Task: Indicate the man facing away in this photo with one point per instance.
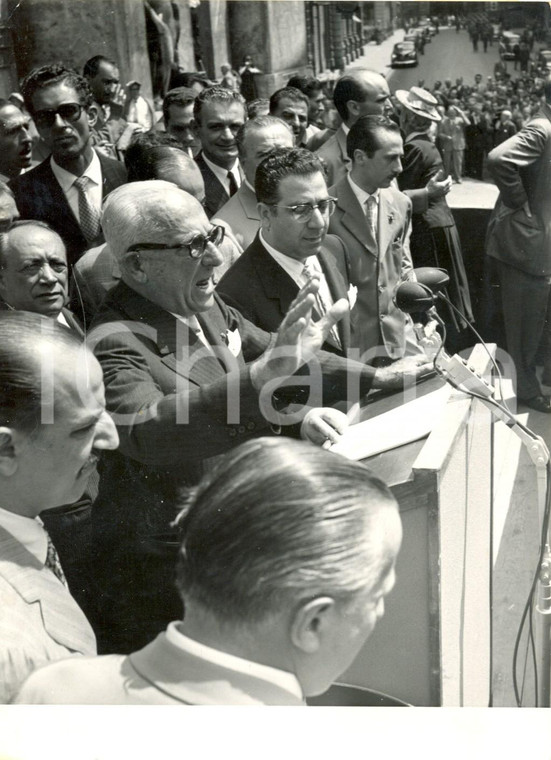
(278, 599)
(255, 140)
(53, 427)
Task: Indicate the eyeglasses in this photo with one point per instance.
(196, 247)
(303, 212)
(67, 111)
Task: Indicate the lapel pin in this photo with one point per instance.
(390, 218)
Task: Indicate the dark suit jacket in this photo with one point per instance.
(215, 193)
(39, 196)
(171, 408)
(258, 287)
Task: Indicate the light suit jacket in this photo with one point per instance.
(39, 619)
(241, 214)
(375, 320)
(158, 674)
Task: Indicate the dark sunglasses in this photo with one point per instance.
(67, 111)
(196, 246)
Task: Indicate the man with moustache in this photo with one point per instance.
(218, 114)
(53, 427)
(67, 189)
(291, 106)
(15, 141)
(178, 118)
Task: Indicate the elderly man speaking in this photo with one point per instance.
(187, 378)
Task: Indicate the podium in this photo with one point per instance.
(433, 645)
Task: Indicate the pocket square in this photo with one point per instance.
(352, 295)
(233, 341)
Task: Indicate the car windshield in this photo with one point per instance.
(402, 46)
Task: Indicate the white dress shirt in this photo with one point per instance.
(28, 531)
(275, 676)
(222, 174)
(192, 323)
(94, 188)
(295, 269)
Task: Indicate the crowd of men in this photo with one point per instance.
(178, 303)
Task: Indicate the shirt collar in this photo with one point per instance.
(281, 678)
(222, 173)
(345, 129)
(293, 267)
(67, 179)
(28, 531)
(362, 195)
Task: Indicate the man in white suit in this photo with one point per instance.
(288, 552)
(53, 425)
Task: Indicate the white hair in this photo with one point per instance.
(135, 212)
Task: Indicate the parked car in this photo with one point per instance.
(427, 24)
(506, 45)
(404, 54)
(544, 59)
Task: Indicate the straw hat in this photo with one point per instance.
(419, 102)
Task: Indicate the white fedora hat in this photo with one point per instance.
(420, 102)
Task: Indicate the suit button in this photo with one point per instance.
(241, 429)
(250, 426)
(232, 432)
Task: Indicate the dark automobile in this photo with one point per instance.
(404, 54)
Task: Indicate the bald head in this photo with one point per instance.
(361, 92)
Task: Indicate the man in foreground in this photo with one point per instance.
(187, 378)
(278, 600)
(53, 427)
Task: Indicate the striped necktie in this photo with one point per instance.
(321, 305)
(88, 215)
(53, 563)
(371, 216)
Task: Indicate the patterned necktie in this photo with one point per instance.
(88, 215)
(321, 306)
(371, 215)
(233, 184)
(53, 563)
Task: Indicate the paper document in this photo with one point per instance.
(406, 423)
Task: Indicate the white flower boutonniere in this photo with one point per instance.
(232, 339)
(352, 295)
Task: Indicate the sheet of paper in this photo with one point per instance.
(406, 423)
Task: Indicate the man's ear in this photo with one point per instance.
(134, 266)
(265, 213)
(310, 623)
(353, 108)
(360, 156)
(8, 458)
(92, 113)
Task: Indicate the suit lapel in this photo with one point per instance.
(248, 202)
(62, 618)
(353, 217)
(277, 284)
(180, 348)
(54, 197)
(337, 288)
(387, 223)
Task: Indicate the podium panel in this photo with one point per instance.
(432, 647)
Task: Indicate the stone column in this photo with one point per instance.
(47, 31)
(213, 35)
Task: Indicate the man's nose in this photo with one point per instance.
(47, 274)
(213, 256)
(317, 220)
(106, 436)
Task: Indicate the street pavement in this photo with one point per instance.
(448, 56)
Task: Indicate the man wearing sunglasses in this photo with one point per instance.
(187, 378)
(67, 189)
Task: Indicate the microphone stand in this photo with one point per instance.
(461, 376)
